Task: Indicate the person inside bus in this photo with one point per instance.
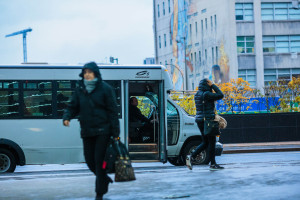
(205, 95)
(95, 103)
(138, 123)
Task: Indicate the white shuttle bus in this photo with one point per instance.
(34, 96)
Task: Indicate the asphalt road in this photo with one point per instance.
(246, 176)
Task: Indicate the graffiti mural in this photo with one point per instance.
(182, 47)
(180, 37)
(220, 73)
(224, 65)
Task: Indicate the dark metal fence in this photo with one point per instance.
(268, 127)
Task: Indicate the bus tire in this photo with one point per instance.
(176, 161)
(201, 158)
(8, 161)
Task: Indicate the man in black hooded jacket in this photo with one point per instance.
(205, 95)
(94, 102)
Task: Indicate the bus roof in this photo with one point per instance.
(44, 71)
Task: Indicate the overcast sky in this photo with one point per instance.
(77, 31)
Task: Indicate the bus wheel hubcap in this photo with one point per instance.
(4, 163)
(200, 157)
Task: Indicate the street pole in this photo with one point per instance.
(185, 69)
(185, 79)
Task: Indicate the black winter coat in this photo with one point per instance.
(97, 110)
(136, 115)
(209, 99)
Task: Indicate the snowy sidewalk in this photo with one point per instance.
(228, 149)
(261, 147)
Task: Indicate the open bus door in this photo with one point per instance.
(147, 137)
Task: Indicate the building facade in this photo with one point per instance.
(257, 40)
(149, 61)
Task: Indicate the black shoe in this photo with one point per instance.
(215, 167)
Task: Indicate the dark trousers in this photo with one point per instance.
(94, 153)
(207, 142)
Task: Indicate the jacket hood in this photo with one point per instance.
(92, 66)
(203, 86)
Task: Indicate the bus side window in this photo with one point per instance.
(116, 84)
(37, 98)
(64, 94)
(9, 99)
(173, 124)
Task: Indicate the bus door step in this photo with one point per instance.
(147, 151)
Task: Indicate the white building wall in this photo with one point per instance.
(219, 39)
(208, 40)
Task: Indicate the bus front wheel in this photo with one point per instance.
(7, 161)
(202, 158)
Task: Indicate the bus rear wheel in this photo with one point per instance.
(7, 161)
(202, 158)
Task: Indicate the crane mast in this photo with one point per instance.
(24, 33)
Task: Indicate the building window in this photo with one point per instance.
(196, 28)
(165, 40)
(170, 38)
(192, 58)
(284, 76)
(169, 5)
(296, 72)
(248, 75)
(211, 24)
(245, 44)
(191, 31)
(205, 55)
(212, 55)
(202, 28)
(158, 13)
(159, 41)
(244, 11)
(216, 23)
(195, 57)
(279, 11)
(217, 54)
(281, 44)
(205, 23)
(200, 57)
(164, 12)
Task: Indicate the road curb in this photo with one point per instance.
(259, 150)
